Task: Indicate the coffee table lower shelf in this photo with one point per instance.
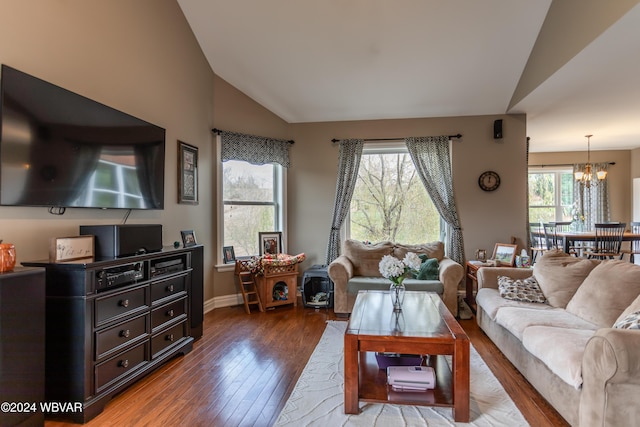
(374, 388)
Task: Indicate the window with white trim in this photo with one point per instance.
(550, 194)
(389, 201)
(252, 200)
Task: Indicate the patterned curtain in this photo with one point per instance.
(349, 157)
(593, 201)
(256, 150)
(432, 161)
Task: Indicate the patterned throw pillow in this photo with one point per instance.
(631, 321)
(524, 290)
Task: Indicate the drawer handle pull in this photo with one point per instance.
(124, 363)
(170, 288)
(125, 333)
(170, 337)
(124, 303)
(170, 313)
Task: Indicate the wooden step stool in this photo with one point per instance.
(248, 286)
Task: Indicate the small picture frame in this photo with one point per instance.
(71, 248)
(228, 254)
(505, 254)
(481, 255)
(187, 174)
(188, 238)
(270, 242)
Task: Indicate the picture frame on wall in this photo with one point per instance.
(228, 255)
(187, 174)
(188, 238)
(505, 254)
(270, 242)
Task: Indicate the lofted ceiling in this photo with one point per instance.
(573, 69)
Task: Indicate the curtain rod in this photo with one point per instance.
(456, 136)
(564, 164)
(218, 132)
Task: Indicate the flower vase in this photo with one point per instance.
(397, 295)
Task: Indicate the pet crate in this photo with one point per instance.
(317, 288)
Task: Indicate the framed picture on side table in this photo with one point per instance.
(188, 238)
(270, 242)
(505, 254)
(187, 174)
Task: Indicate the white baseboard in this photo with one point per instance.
(223, 301)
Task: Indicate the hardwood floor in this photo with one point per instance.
(244, 368)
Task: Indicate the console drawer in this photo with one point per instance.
(168, 287)
(118, 336)
(118, 305)
(166, 339)
(168, 312)
(120, 366)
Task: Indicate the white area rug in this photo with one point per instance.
(318, 397)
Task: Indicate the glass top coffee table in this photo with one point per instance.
(425, 326)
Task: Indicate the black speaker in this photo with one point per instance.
(120, 240)
(497, 129)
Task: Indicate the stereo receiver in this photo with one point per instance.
(121, 275)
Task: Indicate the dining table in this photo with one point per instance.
(570, 238)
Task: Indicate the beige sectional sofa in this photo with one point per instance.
(357, 268)
(568, 347)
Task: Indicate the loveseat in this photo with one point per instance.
(579, 348)
(357, 269)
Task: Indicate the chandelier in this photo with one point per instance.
(586, 176)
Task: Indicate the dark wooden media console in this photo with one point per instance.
(109, 322)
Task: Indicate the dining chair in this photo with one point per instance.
(552, 239)
(538, 243)
(608, 241)
(634, 248)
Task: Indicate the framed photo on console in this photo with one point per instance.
(188, 238)
(505, 254)
(187, 174)
(270, 242)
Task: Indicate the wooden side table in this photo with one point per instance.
(471, 285)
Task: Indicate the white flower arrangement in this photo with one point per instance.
(395, 270)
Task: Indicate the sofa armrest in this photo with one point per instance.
(488, 276)
(340, 272)
(611, 378)
(450, 274)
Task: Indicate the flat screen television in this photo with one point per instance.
(61, 149)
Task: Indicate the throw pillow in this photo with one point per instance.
(631, 321)
(633, 307)
(524, 290)
(429, 269)
(560, 274)
(608, 290)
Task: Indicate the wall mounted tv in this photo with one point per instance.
(60, 149)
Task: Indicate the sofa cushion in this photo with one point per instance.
(517, 319)
(366, 257)
(432, 249)
(608, 290)
(491, 301)
(358, 283)
(560, 274)
(560, 349)
(525, 290)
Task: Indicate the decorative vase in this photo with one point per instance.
(397, 295)
(7, 257)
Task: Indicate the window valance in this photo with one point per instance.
(257, 150)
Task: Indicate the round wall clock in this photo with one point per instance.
(489, 181)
